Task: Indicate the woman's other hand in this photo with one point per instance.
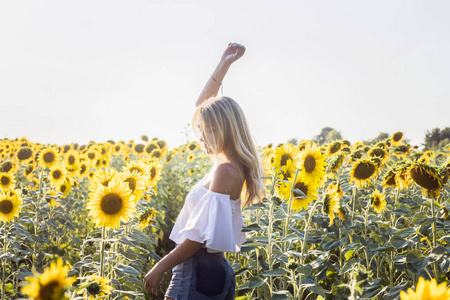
(153, 279)
(233, 52)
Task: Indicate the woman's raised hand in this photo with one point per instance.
(233, 52)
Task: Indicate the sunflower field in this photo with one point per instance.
(338, 221)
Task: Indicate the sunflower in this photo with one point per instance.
(136, 183)
(65, 187)
(191, 172)
(105, 150)
(303, 145)
(93, 155)
(401, 177)
(378, 201)
(57, 175)
(427, 289)
(283, 154)
(336, 163)
(50, 285)
(137, 165)
(397, 138)
(102, 177)
(162, 144)
(97, 287)
(8, 167)
(380, 153)
(6, 181)
(24, 155)
(362, 172)
(312, 163)
(150, 147)
(299, 201)
(83, 169)
(335, 189)
(118, 149)
(48, 157)
(146, 219)
(28, 171)
(426, 177)
(191, 157)
(156, 154)
(331, 206)
(112, 204)
(138, 149)
(389, 179)
(334, 148)
(72, 160)
(154, 171)
(401, 150)
(50, 198)
(192, 146)
(9, 206)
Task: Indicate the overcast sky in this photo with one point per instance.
(75, 71)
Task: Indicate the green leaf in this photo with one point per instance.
(312, 285)
(281, 295)
(276, 272)
(252, 227)
(400, 242)
(348, 266)
(255, 282)
(373, 289)
(416, 262)
(395, 291)
(330, 242)
(127, 269)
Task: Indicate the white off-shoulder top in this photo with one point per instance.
(210, 217)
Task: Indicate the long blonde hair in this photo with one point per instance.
(234, 140)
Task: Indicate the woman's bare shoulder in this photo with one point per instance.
(226, 180)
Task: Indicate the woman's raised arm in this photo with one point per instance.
(233, 52)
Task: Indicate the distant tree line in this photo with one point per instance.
(435, 138)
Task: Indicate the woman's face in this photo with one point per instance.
(208, 135)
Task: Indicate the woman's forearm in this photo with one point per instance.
(212, 87)
(182, 252)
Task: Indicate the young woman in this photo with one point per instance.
(210, 221)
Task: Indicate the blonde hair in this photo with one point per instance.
(234, 140)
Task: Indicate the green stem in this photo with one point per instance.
(302, 259)
(102, 253)
(286, 221)
(4, 263)
(433, 228)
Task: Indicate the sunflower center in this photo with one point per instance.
(111, 204)
(6, 167)
(302, 187)
(397, 136)
(376, 201)
(326, 203)
(391, 179)
(309, 164)
(152, 173)
(284, 159)
(335, 148)
(117, 148)
(131, 183)
(24, 153)
(6, 207)
(49, 157)
(192, 147)
(5, 180)
(94, 288)
(423, 178)
(106, 182)
(139, 148)
(71, 160)
(62, 188)
(57, 174)
(51, 290)
(29, 170)
(364, 170)
(83, 169)
(91, 155)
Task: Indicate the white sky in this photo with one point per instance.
(74, 71)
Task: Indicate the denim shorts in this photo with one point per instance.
(202, 276)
